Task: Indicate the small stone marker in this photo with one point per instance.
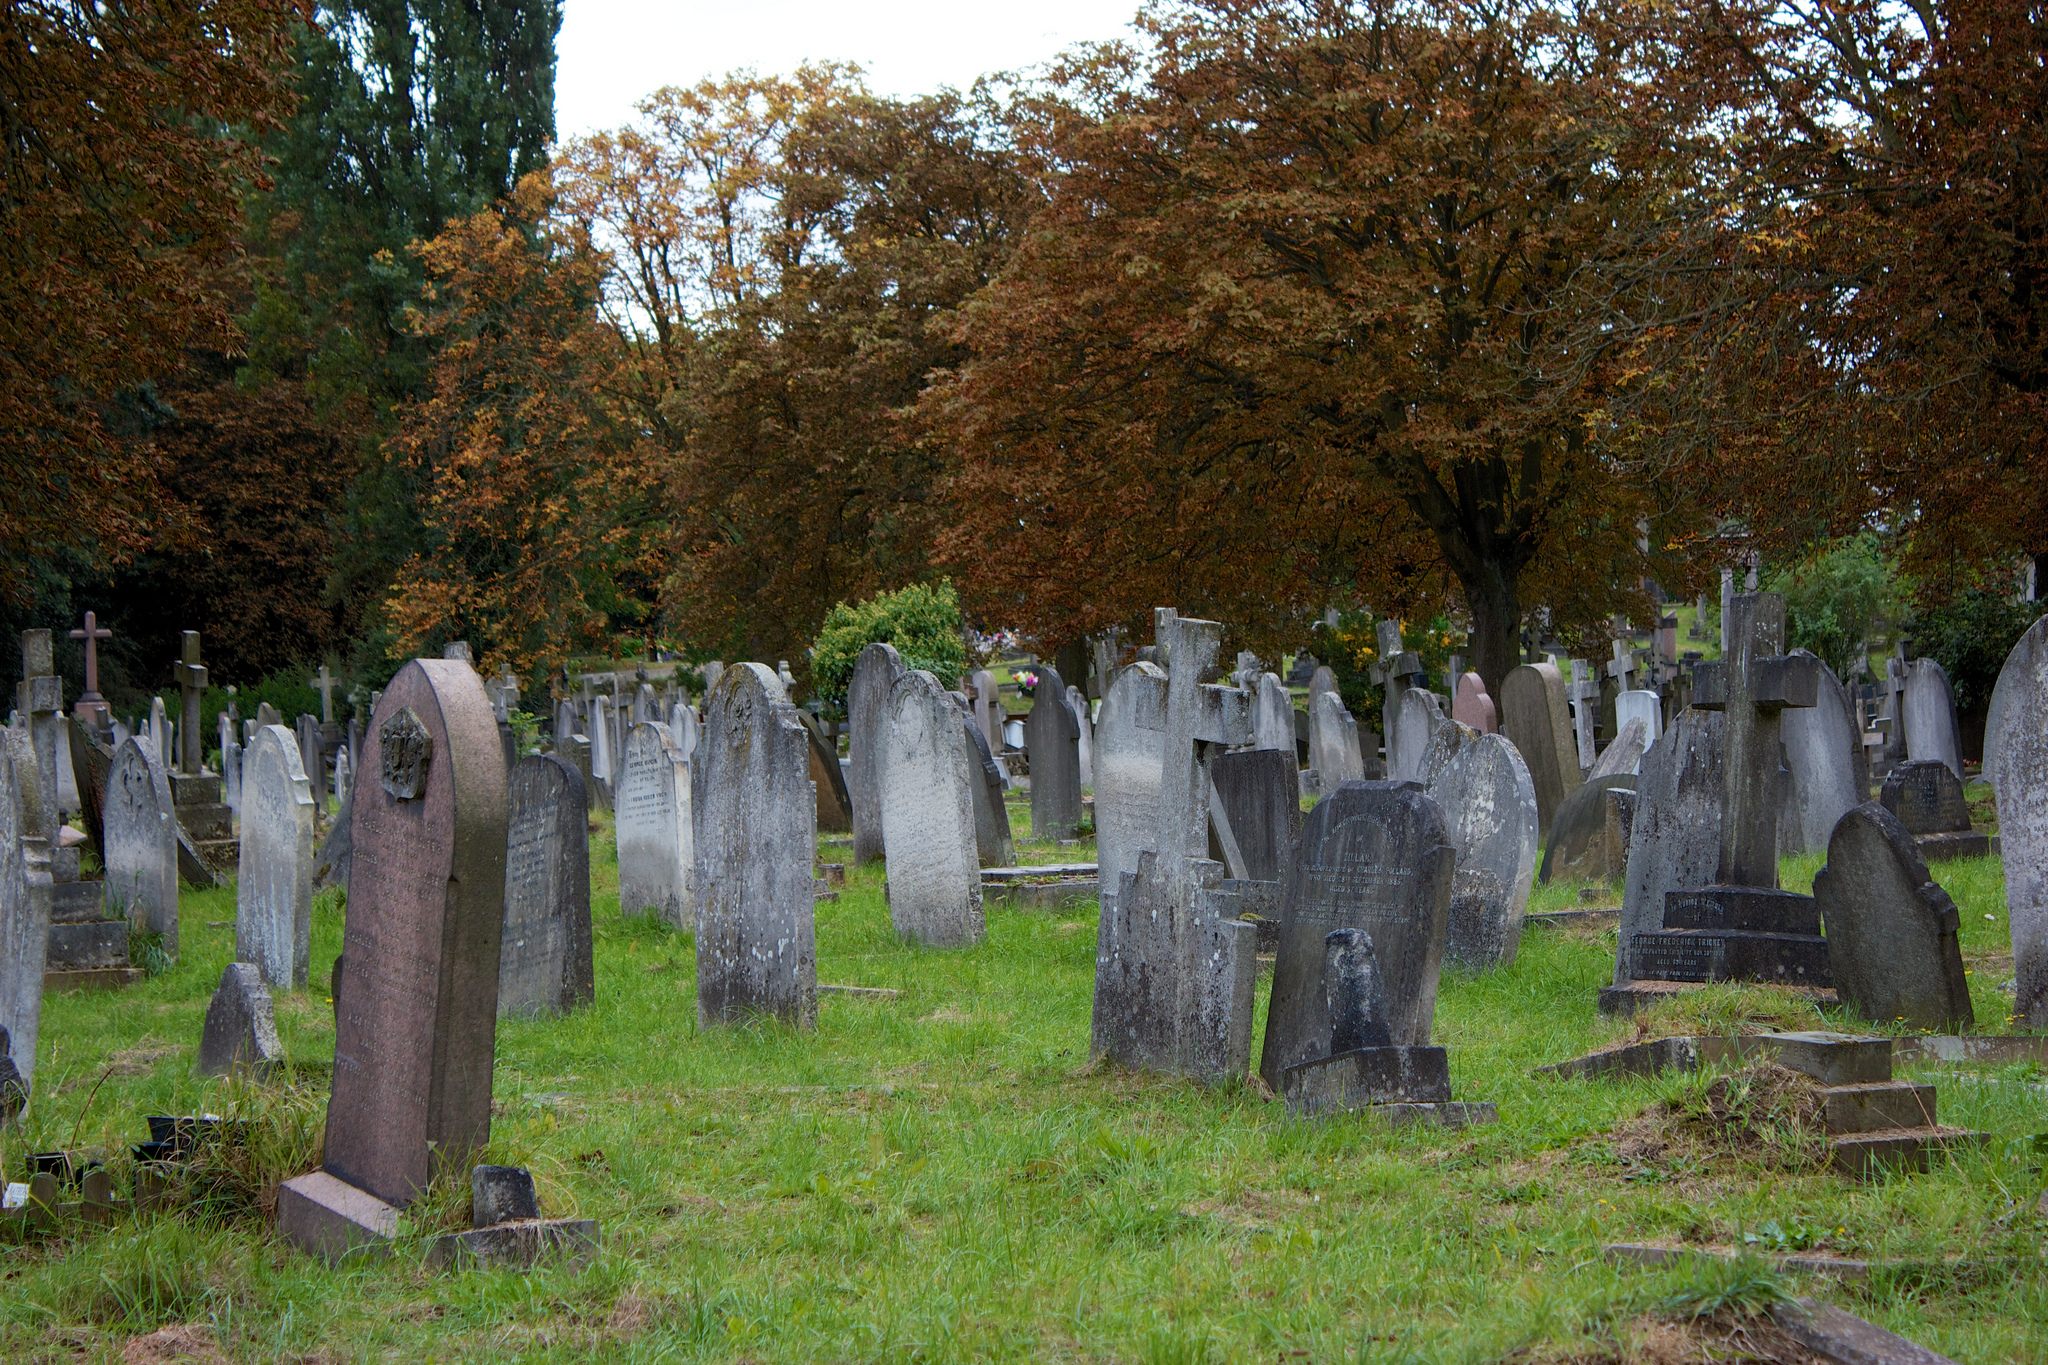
(1533, 716)
(1130, 755)
(1891, 931)
(240, 1032)
(653, 801)
(1375, 856)
(506, 1228)
(1052, 739)
(1482, 788)
(1471, 706)
(274, 889)
(928, 817)
(1928, 800)
(875, 672)
(1930, 716)
(25, 892)
(2020, 769)
(1823, 757)
(416, 1013)
(1333, 737)
(141, 844)
(756, 838)
(544, 955)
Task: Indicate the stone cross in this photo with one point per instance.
(1752, 687)
(191, 693)
(40, 696)
(324, 680)
(1397, 670)
(1622, 666)
(1584, 695)
(92, 707)
(1202, 719)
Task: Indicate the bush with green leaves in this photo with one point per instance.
(1969, 635)
(923, 622)
(1836, 600)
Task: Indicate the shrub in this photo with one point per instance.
(922, 621)
(1835, 600)
(1970, 635)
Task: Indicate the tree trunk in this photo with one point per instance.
(1496, 627)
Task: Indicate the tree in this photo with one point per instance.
(1331, 301)
(921, 620)
(121, 164)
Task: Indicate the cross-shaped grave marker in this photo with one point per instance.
(1396, 671)
(1753, 686)
(1622, 666)
(92, 707)
(325, 681)
(191, 694)
(1584, 694)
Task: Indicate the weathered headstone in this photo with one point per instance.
(240, 1033)
(1052, 738)
(1259, 792)
(416, 1012)
(928, 817)
(1928, 800)
(1533, 716)
(828, 779)
(191, 695)
(1482, 789)
(1130, 744)
(1084, 734)
(1410, 732)
(141, 844)
(1623, 756)
(1583, 693)
(1397, 671)
(682, 725)
(1644, 705)
(544, 954)
(604, 758)
(2021, 767)
(1930, 716)
(40, 698)
(756, 837)
(1590, 841)
(1334, 737)
(875, 672)
(1675, 840)
(988, 708)
(1891, 931)
(1374, 856)
(1471, 706)
(653, 803)
(1272, 717)
(993, 844)
(274, 888)
(92, 708)
(26, 825)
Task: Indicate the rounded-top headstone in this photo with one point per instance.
(653, 805)
(544, 961)
(1534, 715)
(1482, 787)
(1891, 931)
(2021, 765)
(1930, 715)
(141, 843)
(274, 887)
(875, 672)
(1130, 755)
(1052, 739)
(928, 817)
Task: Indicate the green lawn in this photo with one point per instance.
(941, 1176)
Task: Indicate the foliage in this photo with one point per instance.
(922, 620)
(1970, 635)
(1354, 652)
(1836, 599)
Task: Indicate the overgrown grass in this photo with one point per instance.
(942, 1176)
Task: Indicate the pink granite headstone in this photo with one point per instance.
(1471, 706)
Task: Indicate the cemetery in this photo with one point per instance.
(1325, 681)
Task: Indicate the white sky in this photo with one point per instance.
(613, 53)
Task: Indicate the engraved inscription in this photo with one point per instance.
(407, 751)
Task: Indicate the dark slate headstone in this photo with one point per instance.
(875, 671)
(1891, 931)
(1675, 839)
(544, 956)
(1259, 792)
(416, 1018)
(993, 846)
(1375, 856)
(1927, 798)
(240, 1032)
(1590, 840)
(1052, 738)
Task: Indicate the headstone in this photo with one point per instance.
(1623, 756)
(1396, 672)
(1259, 791)
(240, 1033)
(1644, 705)
(92, 708)
(1928, 800)
(1891, 931)
(988, 708)
(1590, 840)
(416, 1010)
(1130, 745)
(1411, 730)
(458, 651)
(1052, 738)
(928, 817)
(141, 844)
(40, 698)
(682, 725)
(993, 844)
(1930, 716)
(1482, 789)
(312, 757)
(653, 803)
(1822, 749)
(756, 837)
(191, 695)
(603, 754)
(1272, 717)
(1675, 839)
(1084, 733)
(324, 680)
(1533, 716)
(544, 955)
(266, 714)
(1334, 735)
(1374, 856)
(1471, 706)
(1322, 680)
(274, 888)
(828, 779)
(26, 825)
(875, 672)
(2020, 765)
(1584, 695)
(158, 729)
(1727, 604)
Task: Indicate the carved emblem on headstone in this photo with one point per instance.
(407, 750)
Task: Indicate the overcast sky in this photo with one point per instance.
(613, 53)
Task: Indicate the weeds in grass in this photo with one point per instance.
(1746, 1285)
(1759, 1109)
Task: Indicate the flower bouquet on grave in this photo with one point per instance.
(1026, 680)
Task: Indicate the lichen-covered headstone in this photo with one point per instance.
(653, 804)
(1891, 930)
(1130, 750)
(141, 843)
(25, 826)
(875, 672)
(1589, 842)
(1482, 788)
(1675, 841)
(1930, 716)
(1333, 741)
(544, 953)
(2021, 765)
(928, 817)
(274, 888)
(240, 1033)
(1272, 716)
(1411, 730)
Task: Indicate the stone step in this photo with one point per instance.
(1733, 955)
(1636, 995)
(1896, 1149)
(1875, 1106)
(88, 946)
(1830, 1058)
(76, 902)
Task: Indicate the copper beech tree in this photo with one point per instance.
(1330, 300)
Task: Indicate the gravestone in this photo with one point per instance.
(312, 757)
(1891, 931)
(1333, 736)
(2023, 662)
(416, 1009)
(1397, 671)
(1259, 791)
(91, 709)
(1623, 757)
(2021, 766)
(1930, 716)
(1590, 841)
(25, 890)
(875, 672)
(1130, 749)
(1084, 731)
(1410, 732)
(1482, 790)
(988, 708)
(141, 844)
(1675, 838)
(835, 802)
(1375, 856)
(1644, 705)
(928, 817)
(1472, 706)
(274, 889)
(40, 698)
(993, 844)
(1321, 680)
(1583, 693)
(603, 755)
(1928, 800)
(756, 837)
(682, 726)
(1052, 738)
(191, 676)
(1532, 715)
(240, 1032)
(544, 954)
(653, 802)
(1272, 718)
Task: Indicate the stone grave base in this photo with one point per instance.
(90, 979)
(1048, 886)
(1398, 1084)
(1450, 1114)
(1950, 844)
(524, 1243)
(1642, 994)
(330, 1218)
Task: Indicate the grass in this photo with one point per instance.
(942, 1176)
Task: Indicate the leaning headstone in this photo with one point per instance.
(1590, 841)
(1482, 788)
(274, 889)
(1623, 756)
(1533, 715)
(1928, 800)
(653, 803)
(142, 844)
(1471, 706)
(994, 846)
(240, 1033)
(2021, 767)
(1130, 754)
(928, 817)
(1410, 732)
(1822, 743)
(1334, 734)
(1052, 738)
(1374, 856)
(756, 837)
(828, 778)
(875, 672)
(25, 889)
(416, 1013)
(1930, 716)
(1891, 931)
(544, 954)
